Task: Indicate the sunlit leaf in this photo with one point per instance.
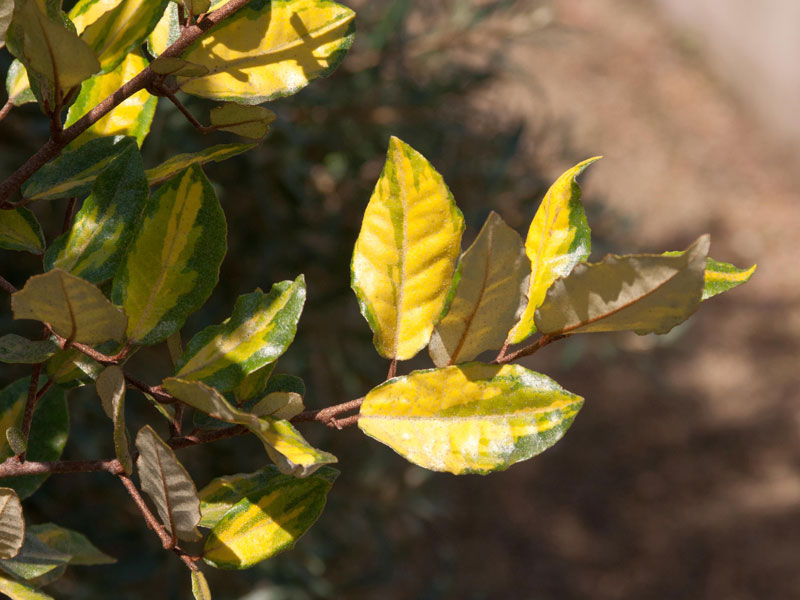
(269, 518)
(196, 7)
(470, 418)
(200, 589)
(132, 117)
(260, 329)
(646, 293)
(247, 121)
(406, 253)
(488, 299)
(15, 349)
(110, 386)
(254, 383)
(86, 12)
(19, 591)
(17, 85)
(173, 262)
(169, 65)
(19, 230)
(223, 493)
(280, 405)
(179, 162)
(166, 32)
(721, 277)
(72, 306)
(12, 524)
(168, 484)
(66, 541)
(558, 239)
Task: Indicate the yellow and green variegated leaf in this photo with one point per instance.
(17, 85)
(559, 238)
(247, 121)
(12, 524)
(132, 117)
(110, 387)
(169, 65)
(73, 173)
(48, 435)
(67, 541)
(488, 299)
(721, 277)
(470, 418)
(36, 563)
(179, 162)
(254, 383)
(19, 591)
(15, 349)
(280, 405)
(200, 589)
(645, 293)
(73, 307)
(173, 262)
(267, 49)
(122, 29)
(104, 226)
(166, 32)
(168, 484)
(269, 518)
(19, 230)
(196, 7)
(406, 253)
(71, 368)
(260, 329)
(86, 12)
(285, 446)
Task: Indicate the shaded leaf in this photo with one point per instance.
(70, 368)
(19, 591)
(16, 349)
(175, 348)
(559, 238)
(646, 293)
(17, 85)
(489, 297)
(12, 524)
(200, 589)
(406, 253)
(260, 329)
(111, 389)
(196, 7)
(471, 418)
(73, 307)
(16, 440)
(173, 262)
(254, 383)
(168, 484)
(281, 405)
(72, 543)
(36, 562)
(6, 12)
(169, 65)
(19, 230)
(247, 121)
(179, 162)
(269, 518)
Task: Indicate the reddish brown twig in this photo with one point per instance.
(541, 342)
(13, 467)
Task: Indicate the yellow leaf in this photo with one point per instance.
(247, 121)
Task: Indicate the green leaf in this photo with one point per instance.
(406, 253)
(132, 117)
(16, 440)
(36, 561)
(66, 541)
(12, 524)
(470, 418)
(73, 307)
(70, 368)
(168, 484)
(48, 435)
(265, 50)
(254, 383)
(196, 7)
(270, 517)
(179, 162)
(223, 493)
(19, 591)
(283, 443)
(16, 349)
(122, 29)
(280, 405)
(169, 65)
(720, 277)
(489, 297)
(173, 262)
(558, 239)
(74, 171)
(200, 589)
(260, 329)
(96, 243)
(110, 386)
(247, 121)
(175, 348)
(646, 293)
(17, 84)
(19, 230)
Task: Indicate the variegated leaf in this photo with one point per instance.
(247, 121)
(721, 277)
(15, 349)
(17, 85)
(6, 13)
(254, 383)
(12, 524)
(19, 591)
(470, 418)
(67, 541)
(110, 386)
(280, 405)
(173, 262)
(19, 230)
(200, 589)
(71, 368)
(406, 253)
(179, 162)
(223, 493)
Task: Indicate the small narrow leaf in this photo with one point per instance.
(111, 389)
(254, 384)
(281, 405)
(177, 66)
(19, 591)
(19, 230)
(94, 246)
(179, 162)
(196, 7)
(16, 440)
(489, 297)
(73, 307)
(15, 349)
(268, 519)
(12, 524)
(558, 239)
(173, 262)
(721, 277)
(646, 293)
(71, 368)
(406, 253)
(200, 588)
(79, 549)
(36, 562)
(168, 484)
(471, 418)
(260, 329)
(247, 121)
(17, 85)
(175, 348)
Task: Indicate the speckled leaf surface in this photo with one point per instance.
(67, 541)
(15, 349)
(179, 162)
(110, 387)
(17, 85)
(470, 418)
(12, 524)
(406, 253)
(223, 493)
(173, 262)
(36, 562)
(558, 238)
(720, 277)
(489, 297)
(260, 329)
(19, 591)
(200, 589)
(19, 230)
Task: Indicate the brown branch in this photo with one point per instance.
(13, 467)
(69, 214)
(392, 369)
(185, 112)
(541, 342)
(7, 286)
(327, 416)
(30, 405)
(6, 109)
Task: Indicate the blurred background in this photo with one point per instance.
(681, 476)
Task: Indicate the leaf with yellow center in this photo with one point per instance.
(19, 230)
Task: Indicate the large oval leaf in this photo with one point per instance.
(268, 519)
(173, 262)
(646, 293)
(12, 524)
(471, 418)
(558, 239)
(406, 253)
(19, 230)
(260, 329)
(489, 296)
